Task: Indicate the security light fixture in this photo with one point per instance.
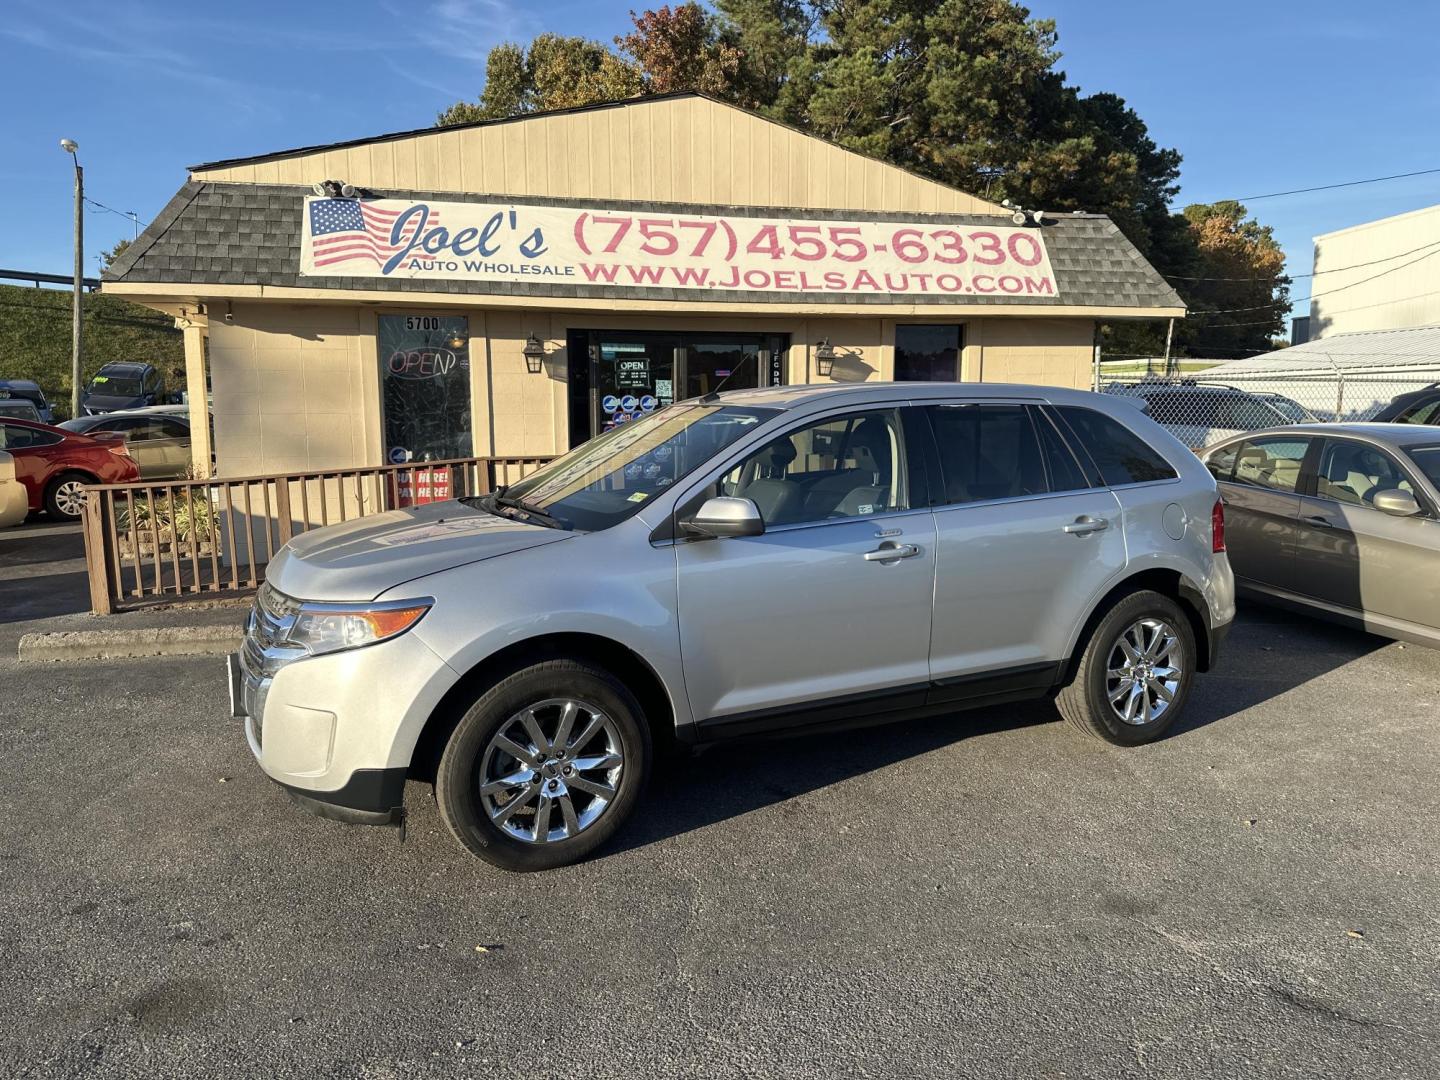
(70, 146)
(534, 355)
(1018, 217)
(824, 357)
(334, 189)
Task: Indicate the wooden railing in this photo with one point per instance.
(178, 540)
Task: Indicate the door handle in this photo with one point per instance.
(1320, 522)
(888, 552)
(1084, 526)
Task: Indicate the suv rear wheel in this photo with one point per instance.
(1135, 674)
(545, 766)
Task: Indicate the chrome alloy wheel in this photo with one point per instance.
(70, 498)
(1143, 673)
(551, 770)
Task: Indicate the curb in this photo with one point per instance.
(130, 644)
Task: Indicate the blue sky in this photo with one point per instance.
(1259, 96)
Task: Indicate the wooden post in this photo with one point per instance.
(97, 556)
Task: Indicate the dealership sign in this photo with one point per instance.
(586, 246)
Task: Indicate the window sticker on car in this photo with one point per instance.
(639, 496)
(867, 508)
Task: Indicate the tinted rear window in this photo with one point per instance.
(1121, 456)
(987, 452)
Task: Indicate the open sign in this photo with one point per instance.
(429, 363)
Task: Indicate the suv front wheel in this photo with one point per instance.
(1135, 673)
(545, 766)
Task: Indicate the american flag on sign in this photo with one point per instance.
(346, 229)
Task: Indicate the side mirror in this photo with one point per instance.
(725, 516)
(1396, 503)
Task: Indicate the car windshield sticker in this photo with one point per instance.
(639, 496)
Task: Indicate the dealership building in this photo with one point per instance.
(513, 287)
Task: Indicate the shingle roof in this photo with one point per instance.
(249, 234)
(1414, 346)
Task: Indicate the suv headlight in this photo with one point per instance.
(328, 628)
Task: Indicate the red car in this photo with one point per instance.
(54, 465)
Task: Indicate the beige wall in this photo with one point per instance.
(297, 387)
(1391, 286)
(1050, 352)
(667, 150)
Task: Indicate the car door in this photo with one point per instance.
(1024, 542)
(1357, 557)
(1261, 483)
(28, 447)
(827, 613)
(172, 438)
(143, 442)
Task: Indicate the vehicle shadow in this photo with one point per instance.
(1269, 653)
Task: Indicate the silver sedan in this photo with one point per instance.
(1339, 520)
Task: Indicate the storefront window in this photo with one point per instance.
(633, 373)
(927, 353)
(425, 380)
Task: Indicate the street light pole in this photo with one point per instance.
(77, 316)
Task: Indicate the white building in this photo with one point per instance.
(1382, 275)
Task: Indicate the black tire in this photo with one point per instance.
(56, 493)
(458, 778)
(1085, 700)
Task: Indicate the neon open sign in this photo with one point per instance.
(421, 363)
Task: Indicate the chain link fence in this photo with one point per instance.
(1201, 408)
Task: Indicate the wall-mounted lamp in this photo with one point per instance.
(824, 358)
(534, 355)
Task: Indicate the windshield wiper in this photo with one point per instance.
(529, 510)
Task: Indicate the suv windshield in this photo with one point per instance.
(119, 385)
(606, 480)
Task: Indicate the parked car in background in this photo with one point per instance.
(123, 385)
(14, 500)
(1339, 520)
(27, 390)
(54, 465)
(158, 441)
(1201, 413)
(1289, 408)
(1417, 407)
(20, 409)
(793, 558)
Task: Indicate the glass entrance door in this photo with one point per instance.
(632, 373)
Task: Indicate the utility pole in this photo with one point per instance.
(70, 146)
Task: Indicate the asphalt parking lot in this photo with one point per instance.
(984, 895)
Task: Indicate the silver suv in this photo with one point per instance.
(744, 563)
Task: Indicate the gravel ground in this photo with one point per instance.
(989, 895)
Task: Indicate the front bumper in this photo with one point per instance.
(368, 797)
(338, 731)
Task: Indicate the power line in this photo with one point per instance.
(1331, 187)
(1315, 273)
(1313, 294)
(131, 216)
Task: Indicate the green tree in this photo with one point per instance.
(555, 72)
(35, 338)
(109, 255)
(681, 48)
(1240, 272)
